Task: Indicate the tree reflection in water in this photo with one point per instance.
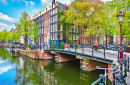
(48, 72)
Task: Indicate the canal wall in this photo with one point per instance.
(37, 54)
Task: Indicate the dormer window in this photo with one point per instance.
(46, 9)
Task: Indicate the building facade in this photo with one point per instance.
(46, 19)
(55, 36)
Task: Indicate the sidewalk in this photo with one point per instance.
(109, 51)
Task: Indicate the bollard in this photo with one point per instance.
(121, 67)
(92, 51)
(38, 56)
(104, 52)
(118, 55)
(128, 64)
(63, 46)
(82, 50)
(75, 48)
(69, 47)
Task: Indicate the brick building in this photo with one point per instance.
(46, 19)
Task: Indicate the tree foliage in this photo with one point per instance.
(124, 6)
(34, 31)
(23, 26)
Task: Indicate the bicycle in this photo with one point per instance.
(119, 80)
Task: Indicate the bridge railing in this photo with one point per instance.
(124, 68)
(79, 48)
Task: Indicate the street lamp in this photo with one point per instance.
(120, 17)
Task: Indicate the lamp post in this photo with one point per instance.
(120, 17)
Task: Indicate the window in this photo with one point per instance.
(53, 19)
(42, 30)
(61, 35)
(60, 27)
(53, 36)
(76, 30)
(60, 17)
(77, 37)
(73, 36)
(53, 28)
(56, 36)
(56, 10)
(53, 5)
(56, 27)
(70, 29)
(56, 18)
(51, 12)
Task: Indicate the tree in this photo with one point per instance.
(124, 6)
(34, 31)
(23, 26)
(3, 35)
(85, 14)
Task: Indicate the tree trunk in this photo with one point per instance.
(106, 39)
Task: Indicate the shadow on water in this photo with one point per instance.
(48, 72)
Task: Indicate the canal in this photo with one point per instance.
(16, 69)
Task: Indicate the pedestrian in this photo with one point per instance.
(20, 47)
(32, 47)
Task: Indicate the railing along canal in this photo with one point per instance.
(124, 68)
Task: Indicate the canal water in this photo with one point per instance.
(16, 69)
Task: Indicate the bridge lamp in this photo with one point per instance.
(120, 18)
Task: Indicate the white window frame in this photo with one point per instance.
(60, 27)
(56, 10)
(56, 18)
(61, 36)
(53, 28)
(70, 29)
(56, 27)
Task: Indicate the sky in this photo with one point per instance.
(11, 10)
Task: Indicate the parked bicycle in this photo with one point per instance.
(119, 80)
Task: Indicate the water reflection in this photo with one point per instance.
(27, 71)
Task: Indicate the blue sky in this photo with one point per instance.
(10, 10)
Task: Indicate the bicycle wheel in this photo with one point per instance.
(121, 82)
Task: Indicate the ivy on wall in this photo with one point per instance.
(66, 25)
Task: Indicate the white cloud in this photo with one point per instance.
(61, 1)
(5, 26)
(43, 1)
(6, 18)
(6, 68)
(26, 3)
(32, 3)
(4, 2)
(2, 61)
